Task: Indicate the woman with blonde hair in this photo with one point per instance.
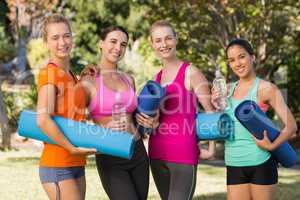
(173, 147)
(62, 171)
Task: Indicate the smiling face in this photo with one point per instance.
(240, 61)
(58, 40)
(114, 46)
(164, 41)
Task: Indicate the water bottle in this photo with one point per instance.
(118, 109)
(219, 84)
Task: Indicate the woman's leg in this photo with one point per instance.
(183, 181)
(264, 181)
(63, 190)
(161, 175)
(52, 190)
(174, 181)
(263, 192)
(237, 192)
(81, 182)
(238, 183)
(140, 172)
(63, 183)
(116, 179)
(69, 189)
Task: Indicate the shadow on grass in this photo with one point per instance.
(215, 196)
(91, 162)
(289, 191)
(214, 163)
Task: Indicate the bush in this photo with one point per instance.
(7, 49)
(17, 99)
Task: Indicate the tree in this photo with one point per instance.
(25, 17)
(90, 17)
(6, 144)
(205, 28)
(6, 52)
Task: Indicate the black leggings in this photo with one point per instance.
(174, 181)
(124, 179)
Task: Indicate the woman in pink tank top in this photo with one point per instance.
(173, 148)
(122, 179)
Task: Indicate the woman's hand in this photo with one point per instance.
(89, 70)
(264, 143)
(208, 153)
(82, 151)
(117, 125)
(147, 121)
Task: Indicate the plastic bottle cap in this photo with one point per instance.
(218, 73)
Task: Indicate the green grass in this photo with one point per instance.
(19, 180)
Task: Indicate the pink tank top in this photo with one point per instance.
(175, 139)
(101, 105)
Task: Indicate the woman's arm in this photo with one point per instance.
(131, 81)
(208, 153)
(200, 86)
(270, 94)
(45, 107)
(88, 83)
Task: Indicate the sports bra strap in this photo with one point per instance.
(126, 79)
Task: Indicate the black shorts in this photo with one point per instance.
(263, 174)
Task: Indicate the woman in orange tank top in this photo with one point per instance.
(61, 166)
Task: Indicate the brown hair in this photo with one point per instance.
(109, 29)
(52, 19)
(161, 23)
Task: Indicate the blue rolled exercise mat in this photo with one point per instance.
(256, 121)
(214, 126)
(80, 134)
(149, 101)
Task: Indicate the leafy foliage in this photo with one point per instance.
(7, 49)
(90, 17)
(204, 28)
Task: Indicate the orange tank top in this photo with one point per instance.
(70, 103)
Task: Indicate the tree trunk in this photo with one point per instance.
(6, 143)
(6, 137)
